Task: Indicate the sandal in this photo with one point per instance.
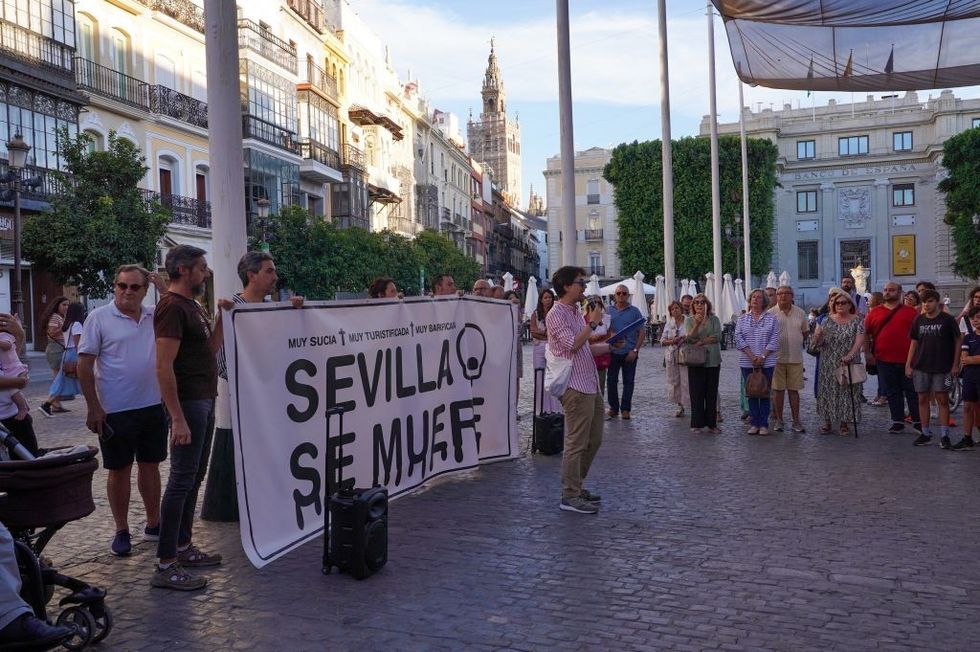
(825, 429)
(679, 413)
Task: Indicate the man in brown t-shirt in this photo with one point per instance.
(186, 344)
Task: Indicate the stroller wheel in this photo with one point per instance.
(81, 623)
(103, 624)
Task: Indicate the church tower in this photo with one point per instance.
(495, 140)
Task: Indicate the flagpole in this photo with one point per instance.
(747, 246)
(666, 153)
(715, 182)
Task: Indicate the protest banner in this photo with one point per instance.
(427, 386)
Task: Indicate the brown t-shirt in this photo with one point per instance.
(195, 366)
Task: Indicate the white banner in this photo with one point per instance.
(427, 386)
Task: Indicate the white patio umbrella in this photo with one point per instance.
(692, 287)
(508, 282)
(660, 300)
(727, 310)
(531, 297)
(630, 284)
(639, 298)
(784, 278)
(592, 289)
(740, 302)
(771, 279)
(709, 289)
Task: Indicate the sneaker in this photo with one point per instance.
(896, 429)
(578, 505)
(590, 497)
(965, 444)
(121, 544)
(192, 557)
(151, 533)
(917, 427)
(944, 443)
(45, 409)
(763, 431)
(175, 577)
(798, 427)
(625, 414)
(28, 632)
(923, 440)
(777, 425)
(57, 409)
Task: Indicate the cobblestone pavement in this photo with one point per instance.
(704, 542)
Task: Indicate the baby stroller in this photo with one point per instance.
(42, 496)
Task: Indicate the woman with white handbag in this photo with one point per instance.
(839, 339)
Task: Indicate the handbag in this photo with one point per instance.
(858, 374)
(69, 367)
(557, 372)
(691, 355)
(757, 385)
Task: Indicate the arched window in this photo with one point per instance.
(88, 38)
(97, 144)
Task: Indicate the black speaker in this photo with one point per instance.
(355, 539)
(359, 531)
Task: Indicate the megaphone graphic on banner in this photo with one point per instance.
(471, 350)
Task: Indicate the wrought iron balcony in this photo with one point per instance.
(316, 151)
(259, 129)
(354, 157)
(169, 102)
(109, 83)
(183, 11)
(445, 215)
(598, 270)
(310, 11)
(593, 234)
(263, 42)
(184, 210)
(321, 79)
(43, 192)
(30, 47)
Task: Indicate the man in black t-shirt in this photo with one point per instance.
(186, 343)
(934, 358)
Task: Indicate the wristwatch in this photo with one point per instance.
(593, 325)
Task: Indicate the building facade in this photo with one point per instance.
(596, 228)
(495, 139)
(857, 185)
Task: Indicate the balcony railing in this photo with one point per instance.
(184, 210)
(112, 84)
(445, 215)
(598, 270)
(321, 79)
(593, 234)
(354, 157)
(183, 11)
(259, 129)
(592, 199)
(169, 102)
(45, 191)
(310, 11)
(315, 151)
(31, 47)
(263, 42)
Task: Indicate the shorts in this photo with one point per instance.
(924, 381)
(971, 391)
(788, 375)
(139, 434)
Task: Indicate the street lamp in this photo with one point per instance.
(17, 151)
(263, 206)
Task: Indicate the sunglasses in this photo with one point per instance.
(135, 287)
(581, 282)
(842, 303)
(622, 294)
(700, 303)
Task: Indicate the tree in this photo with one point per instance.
(635, 171)
(961, 158)
(440, 256)
(99, 218)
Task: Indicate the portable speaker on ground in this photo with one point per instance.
(355, 537)
(548, 428)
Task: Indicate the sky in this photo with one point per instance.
(444, 44)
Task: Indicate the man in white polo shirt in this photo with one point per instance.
(117, 371)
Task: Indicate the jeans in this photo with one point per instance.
(188, 466)
(612, 380)
(583, 436)
(702, 385)
(759, 408)
(23, 432)
(12, 606)
(898, 388)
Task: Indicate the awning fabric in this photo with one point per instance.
(854, 45)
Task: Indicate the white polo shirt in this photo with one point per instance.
(125, 357)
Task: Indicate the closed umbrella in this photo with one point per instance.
(740, 302)
(508, 282)
(638, 296)
(709, 289)
(784, 279)
(592, 289)
(771, 279)
(727, 311)
(660, 300)
(531, 297)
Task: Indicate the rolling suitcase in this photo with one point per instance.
(548, 429)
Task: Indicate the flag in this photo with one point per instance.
(849, 68)
(890, 64)
(809, 76)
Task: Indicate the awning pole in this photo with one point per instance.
(715, 184)
(666, 153)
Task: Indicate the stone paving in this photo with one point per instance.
(704, 542)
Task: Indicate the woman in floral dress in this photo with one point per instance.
(839, 339)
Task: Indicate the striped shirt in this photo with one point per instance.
(222, 363)
(564, 322)
(759, 335)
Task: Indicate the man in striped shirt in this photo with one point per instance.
(568, 337)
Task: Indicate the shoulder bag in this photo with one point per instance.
(691, 355)
(757, 385)
(851, 374)
(871, 368)
(557, 372)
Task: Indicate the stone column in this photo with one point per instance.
(829, 271)
(881, 268)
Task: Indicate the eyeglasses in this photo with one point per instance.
(581, 282)
(700, 302)
(135, 287)
(622, 294)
